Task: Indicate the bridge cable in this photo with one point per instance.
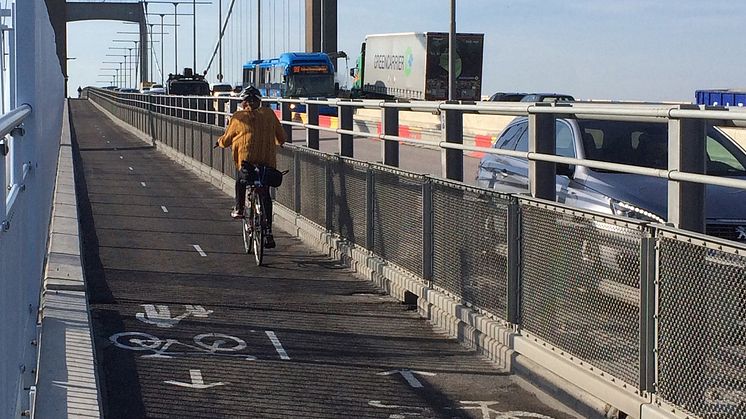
(222, 34)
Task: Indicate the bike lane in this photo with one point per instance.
(186, 326)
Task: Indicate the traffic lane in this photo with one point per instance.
(210, 363)
(413, 158)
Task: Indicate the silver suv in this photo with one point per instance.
(636, 196)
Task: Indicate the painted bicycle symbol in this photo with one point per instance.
(203, 344)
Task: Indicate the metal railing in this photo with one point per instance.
(653, 311)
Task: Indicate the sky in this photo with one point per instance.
(592, 49)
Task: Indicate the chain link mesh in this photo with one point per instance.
(349, 198)
(581, 287)
(702, 327)
(470, 248)
(397, 219)
(285, 194)
(313, 186)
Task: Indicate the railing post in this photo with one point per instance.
(428, 247)
(329, 205)
(287, 115)
(312, 134)
(346, 145)
(369, 208)
(233, 106)
(453, 133)
(514, 262)
(390, 126)
(221, 108)
(541, 175)
(647, 310)
(296, 180)
(686, 153)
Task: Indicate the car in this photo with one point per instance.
(629, 195)
(531, 97)
(157, 90)
(128, 90)
(221, 89)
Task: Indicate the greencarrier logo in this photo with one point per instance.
(395, 62)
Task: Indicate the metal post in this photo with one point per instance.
(686, 153)
(297, 180)
(370, 207)
(346, 144)
(541, 175)
(194, 35)
(259, 29)
(163, 59)
(428, 246)
(176, 40)
(647, 310)
(221, 109)
(312, 134)
(452, 53)
(287, 115)
(390, 126)
(453, 160)
(514, 262)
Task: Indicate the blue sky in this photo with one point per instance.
(593, 49)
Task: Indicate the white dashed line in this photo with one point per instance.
(143, 184)
(164, 208)
(131, 168)
(199, 249)
(278, 346)
(121, 157)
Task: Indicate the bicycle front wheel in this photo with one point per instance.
(246, 232)
(258, 231)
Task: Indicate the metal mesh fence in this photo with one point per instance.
(285, 194)
(313, 186)
(397, 217)
(348, 198)
(581, 286)
(702, 326)
(470, 250)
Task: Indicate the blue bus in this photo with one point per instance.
(294, 74)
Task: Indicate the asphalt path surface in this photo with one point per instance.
(185, 325)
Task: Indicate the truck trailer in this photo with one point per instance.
(415, 66)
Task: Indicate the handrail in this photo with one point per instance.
(13, 119)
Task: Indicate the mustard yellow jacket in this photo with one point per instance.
(253, 136)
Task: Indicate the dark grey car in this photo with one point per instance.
(636, 196)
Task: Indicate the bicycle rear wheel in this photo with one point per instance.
(258, 231)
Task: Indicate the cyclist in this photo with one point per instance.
(253, 135)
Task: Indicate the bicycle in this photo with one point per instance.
(254, 224)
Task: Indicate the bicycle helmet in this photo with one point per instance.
(251, 94)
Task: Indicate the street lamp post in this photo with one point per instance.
(452, 53)
(194, 20)
(120, 68)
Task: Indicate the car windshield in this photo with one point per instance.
(305, 85)
(646, 144)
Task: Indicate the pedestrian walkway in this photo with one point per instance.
(185, 325)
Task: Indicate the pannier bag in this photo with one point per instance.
(266, 175)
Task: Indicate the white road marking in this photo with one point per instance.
(160, 315)
(143, 184)
(131, 168)
(409, 376)
(197, 381)
(199, 249)
(164, 208)
(278, 346)
(121, 157)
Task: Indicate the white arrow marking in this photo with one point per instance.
(199, 250)
(159, 315)
(197, 381)
(164, 208)
(409, 376)
(278, 346)
(143, 184)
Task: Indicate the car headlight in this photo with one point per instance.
(625, 209)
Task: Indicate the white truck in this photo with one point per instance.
(415, 66)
